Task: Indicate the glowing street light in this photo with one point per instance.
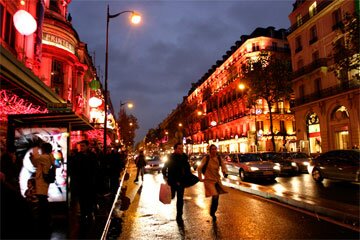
(135, 19)
(24, 22)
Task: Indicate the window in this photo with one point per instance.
(299, 20)
(300, 64)
(259, 125)
(7, 27)
(57, 77)
(336, 18)
(54, 6)
(313, 35)
(255, 47)
(315, 56)
(298, 45)
(312, 9)
(282, 126)
(301, 91)
(317, 86)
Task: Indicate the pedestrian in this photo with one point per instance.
(83, 178)
(140, 165)
(208, 172)
(42, 164)
(175, 171)
(115, 170)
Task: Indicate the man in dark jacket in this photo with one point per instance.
(174, 172)
(140, 165)
(83, 178)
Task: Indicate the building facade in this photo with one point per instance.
(326, 108)
(216, 110)
(49, 70)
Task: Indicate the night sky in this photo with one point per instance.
(153, 64)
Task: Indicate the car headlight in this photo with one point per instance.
(276, 167)
(293, 164)
(254, 168)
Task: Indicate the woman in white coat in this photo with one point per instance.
(208, 172)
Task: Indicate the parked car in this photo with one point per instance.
(153, 163)
(286, 167)
(195, 160)
(300, 158)
(336, 164)
(250, 166)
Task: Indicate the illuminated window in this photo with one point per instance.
(312, 9)
(299, 20)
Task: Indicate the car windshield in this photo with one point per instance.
(249, 157)
(300, 155)
(271, 156)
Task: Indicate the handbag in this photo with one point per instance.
(165, 193)
(190, 180)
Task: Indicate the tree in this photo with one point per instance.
(346, 49)
(268, 77)
(127, 124)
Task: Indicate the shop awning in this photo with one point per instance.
(63, 119)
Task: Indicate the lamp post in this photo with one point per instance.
(135, 18)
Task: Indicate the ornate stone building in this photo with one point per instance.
(216, 110)
(326, 108)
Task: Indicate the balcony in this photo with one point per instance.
(307, 17)
(321, 62)
(331, 91)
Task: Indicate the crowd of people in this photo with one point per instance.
(91, 176)
(27, 214)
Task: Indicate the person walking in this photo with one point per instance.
(174, 172)
(140, 165)
(83, 178)
(42, 164)
(208, 172)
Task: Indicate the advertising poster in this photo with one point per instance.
(28, 141)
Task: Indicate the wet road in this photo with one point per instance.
(240, 216)
(303, 184)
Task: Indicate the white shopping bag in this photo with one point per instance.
(165, 193)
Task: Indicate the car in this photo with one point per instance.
(153, 163)
(250, 166)
(336, 165)
(286, 167)
(301, 159)
(195, 160)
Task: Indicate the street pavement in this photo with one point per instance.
(342, 214)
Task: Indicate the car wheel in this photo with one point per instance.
(316, 174)
(242, 175)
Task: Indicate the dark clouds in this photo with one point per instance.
(177, 42)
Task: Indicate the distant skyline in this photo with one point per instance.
(177, 42)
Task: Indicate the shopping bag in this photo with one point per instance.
(165, 193)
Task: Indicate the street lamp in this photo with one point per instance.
(135, 19)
